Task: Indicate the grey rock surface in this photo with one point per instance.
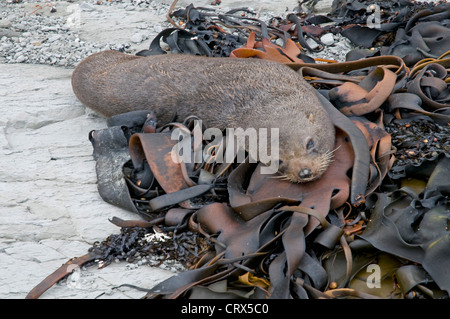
(50, 210)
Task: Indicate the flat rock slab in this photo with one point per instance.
(50, 210)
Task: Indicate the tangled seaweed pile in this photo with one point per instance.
(417, 141)
(150, 246)
(382, 204)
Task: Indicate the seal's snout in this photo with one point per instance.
(304, 173)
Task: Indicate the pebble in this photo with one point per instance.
(312, 44)
(279, 42)
(54, 38)
(337, 51)
(138, 37)
(130, 8)
(327, 39)
(5, 23)
(20, 58)
(86, 7)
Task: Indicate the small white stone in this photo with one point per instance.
(327, 39)
(312, 44)
(21, 58)
(54, 38)
(86, 7)
(5, 23)
(279, 42)
(137, 37)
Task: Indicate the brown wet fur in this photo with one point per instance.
(224, 92)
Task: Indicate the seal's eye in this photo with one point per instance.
(310, 144)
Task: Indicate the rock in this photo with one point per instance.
(84, 6)
(21, 26)
(5, 45)
(50, 28)
(8, 33)
(5, 23)
(138, 37)
(312, 44)
(47, 177)
(327, 39)
(21, 58)
(279, 42)
(54, 38)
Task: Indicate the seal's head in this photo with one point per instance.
(307, 153)
(302, 169)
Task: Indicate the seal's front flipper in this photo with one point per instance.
(133, 119)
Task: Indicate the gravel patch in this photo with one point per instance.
(31, 32)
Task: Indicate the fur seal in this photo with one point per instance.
(224, 92)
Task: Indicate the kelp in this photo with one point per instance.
(415, 226)
(248, 235)
(407, 29)
(420, 142)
